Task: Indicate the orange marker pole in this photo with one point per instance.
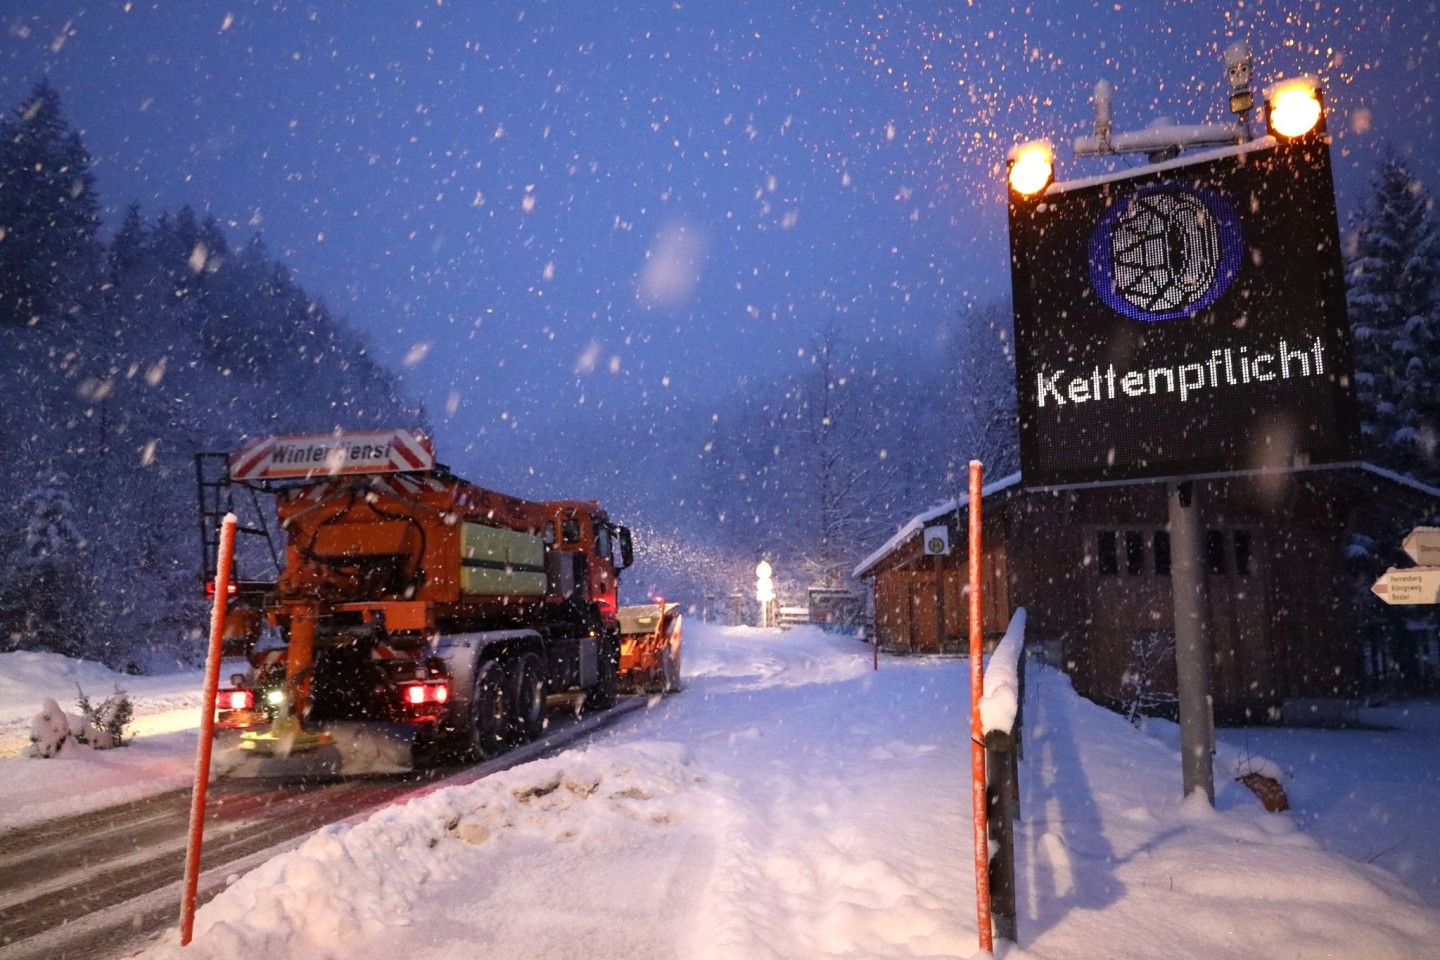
(207, 727)
(977, 732)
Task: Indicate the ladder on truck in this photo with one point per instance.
(216, 493)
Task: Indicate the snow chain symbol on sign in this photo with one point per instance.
(936, 545)
(1166, 251)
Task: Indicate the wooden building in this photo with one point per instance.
(1285, 581)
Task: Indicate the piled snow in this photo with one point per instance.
(793, 803)
(1001, 700)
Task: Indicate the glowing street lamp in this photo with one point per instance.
(1294, 108)
(765, 592)
(1032, 168)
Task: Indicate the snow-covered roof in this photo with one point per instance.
(918, 522)
(1401, 479)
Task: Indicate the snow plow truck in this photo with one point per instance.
(433, 614)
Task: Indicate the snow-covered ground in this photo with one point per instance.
(160, 758)
(793, 804)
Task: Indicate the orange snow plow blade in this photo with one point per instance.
(650, 642)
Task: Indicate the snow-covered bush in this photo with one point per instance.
(101, 727)
(1143, 691)
(104, 727)
(48, 731)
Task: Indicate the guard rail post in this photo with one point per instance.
(1003, 706)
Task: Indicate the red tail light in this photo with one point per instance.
(230, 589)
(237, 699)
(420, 693)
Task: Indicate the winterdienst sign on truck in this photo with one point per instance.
(1186, 318)
(324, 454)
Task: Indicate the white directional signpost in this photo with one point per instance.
(1409, 586)
(1423, 546)
(1405, 586)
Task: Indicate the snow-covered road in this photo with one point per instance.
(792, 804)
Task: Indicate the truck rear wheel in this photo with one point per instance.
(529, 699)
(491, 707)
(602, 695)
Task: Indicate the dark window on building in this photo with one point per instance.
(1162, 554)
(1134, 552)
(1215, 552)
(1242, 552)
(570, 529)
(1105, 559)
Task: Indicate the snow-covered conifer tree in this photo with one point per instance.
(49, 216)
(1394, 301)
(44, 605)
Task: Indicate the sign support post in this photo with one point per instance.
(1192, 641)
(979, 805)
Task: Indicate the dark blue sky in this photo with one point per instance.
(534, 207)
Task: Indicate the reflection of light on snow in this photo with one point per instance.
(417, 354)
(585, 363)
(672, 268)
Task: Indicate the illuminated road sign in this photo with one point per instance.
(1185, 319)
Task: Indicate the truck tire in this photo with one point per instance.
(491, 710)
(529, 699)
(602, 695)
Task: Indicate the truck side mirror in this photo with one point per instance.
(627, 548)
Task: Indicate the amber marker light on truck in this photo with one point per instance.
(1032, 168)
(1294, 108)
